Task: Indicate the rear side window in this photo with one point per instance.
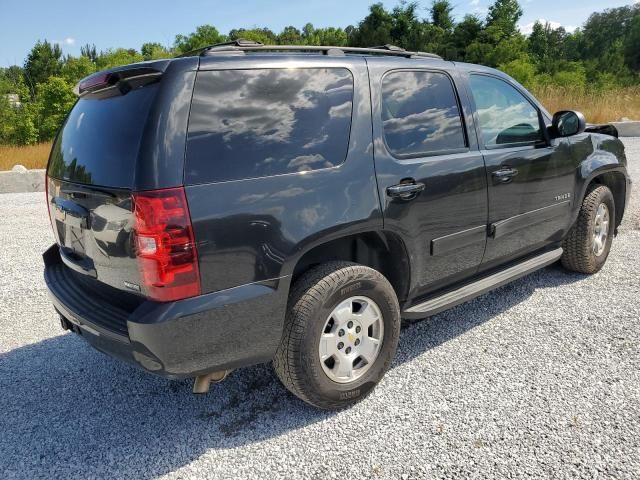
(420, 114)
(258, 123)
(100, 140)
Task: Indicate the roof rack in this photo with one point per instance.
(242, 45)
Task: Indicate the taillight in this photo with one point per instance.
(165, 245)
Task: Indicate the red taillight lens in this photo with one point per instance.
(96, 82)
(165, 245)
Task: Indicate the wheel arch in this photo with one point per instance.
(616, 180)
(381, 250)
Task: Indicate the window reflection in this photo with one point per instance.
(420, 114)
(504, 115)
(256, 123)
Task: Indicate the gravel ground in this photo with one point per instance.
(540, 378)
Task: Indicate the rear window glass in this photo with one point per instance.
(100, 140)
(420, 114)
(258, 123)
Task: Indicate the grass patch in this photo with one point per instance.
(597, 107)
(31, 156)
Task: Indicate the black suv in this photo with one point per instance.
(250, 203)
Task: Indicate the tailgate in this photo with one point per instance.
(93, 228)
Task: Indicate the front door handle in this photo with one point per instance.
(405, 191)
(505, 174)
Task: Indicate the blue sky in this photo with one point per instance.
(128, 24)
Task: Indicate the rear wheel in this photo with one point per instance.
(341, 334)
(588, 243)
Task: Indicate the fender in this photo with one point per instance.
(607, 156)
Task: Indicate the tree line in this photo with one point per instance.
(604, 54)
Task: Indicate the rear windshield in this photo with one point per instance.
(264, 122)
(100, 140)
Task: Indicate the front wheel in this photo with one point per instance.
(341, 334)
(588, 243)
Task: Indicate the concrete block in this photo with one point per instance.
(21, 180)
(628, 129)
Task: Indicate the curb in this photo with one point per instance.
(20, 180)
(627, 129)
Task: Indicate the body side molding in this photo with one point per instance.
(527, 219)
(448, 243)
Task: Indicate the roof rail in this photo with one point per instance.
(242, 45)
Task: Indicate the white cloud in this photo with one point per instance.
(475, 3)
(69, 41)
(528, 28)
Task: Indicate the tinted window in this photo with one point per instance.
(420, 114)
(99, 141)
(504, 114)
(256, 123)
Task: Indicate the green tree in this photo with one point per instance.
(55, 99)
(522, 69)
(290, 36)
(632, 45)
(10, 79)
(154, 51)
(546, 46)
(441, 15)
(118, 57)
(331, 36)
(374, 29)
(571, 75)
(464, 34)
(504, 15)
(75, 69)
(262, 35)
(478, 52)
(508, 50)
(203, 36)
(90, 52)
(43, 61)
(25, 132)
(603, 29)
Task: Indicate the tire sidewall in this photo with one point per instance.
(363, 284)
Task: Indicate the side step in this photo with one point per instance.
(477, 288)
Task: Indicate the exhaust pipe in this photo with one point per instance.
(203, 382)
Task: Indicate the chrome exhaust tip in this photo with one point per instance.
(203, 382)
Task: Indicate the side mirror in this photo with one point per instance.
(568, 122)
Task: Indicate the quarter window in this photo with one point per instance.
(420, 114)
(505, 116)
(258, 123)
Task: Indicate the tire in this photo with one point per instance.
(582, 252)
(320, 304)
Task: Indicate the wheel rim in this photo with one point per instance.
(600, 230)
(351, 339)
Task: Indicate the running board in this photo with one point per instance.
(477, 288)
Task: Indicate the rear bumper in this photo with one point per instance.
(217, 331)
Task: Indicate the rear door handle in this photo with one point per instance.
(405, 191)
(505, 174)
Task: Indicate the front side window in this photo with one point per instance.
(505, 116)
(258, 123)
(420, 114)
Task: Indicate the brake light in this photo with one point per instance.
(165, 245)
(96, 82)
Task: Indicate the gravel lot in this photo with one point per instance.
(540, 378)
